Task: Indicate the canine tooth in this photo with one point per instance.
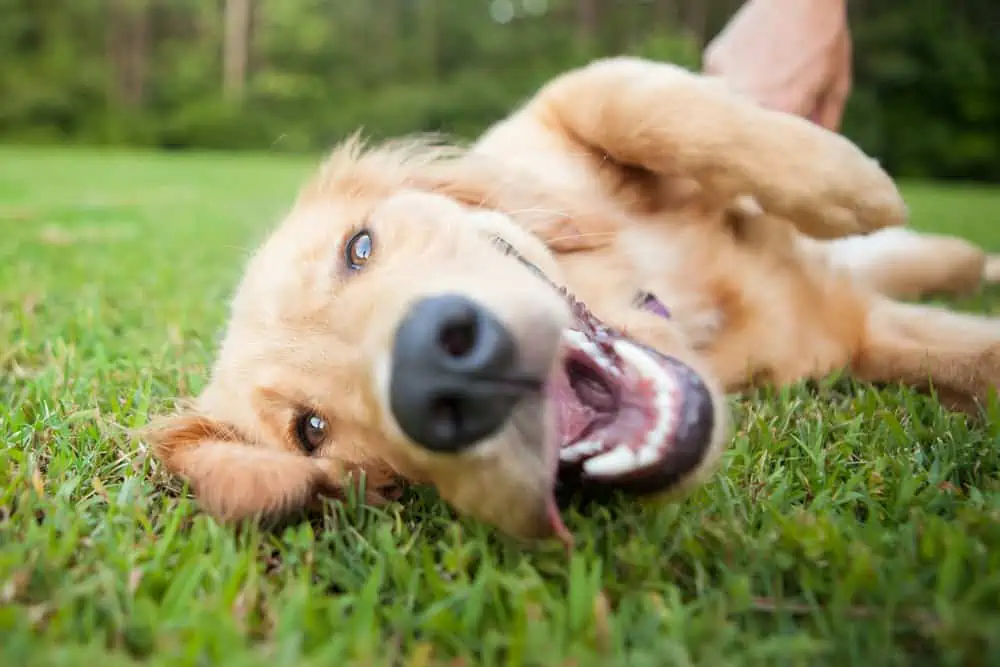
(583, 344)
(579, 450)
(578, 340)
(617, 462)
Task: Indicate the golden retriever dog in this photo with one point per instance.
(565, 305)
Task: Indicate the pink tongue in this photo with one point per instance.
(559, 528)
(576, 420)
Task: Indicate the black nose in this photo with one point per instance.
(451, 366)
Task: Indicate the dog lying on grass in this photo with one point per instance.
(566, 304)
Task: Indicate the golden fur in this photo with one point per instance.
(618, 176)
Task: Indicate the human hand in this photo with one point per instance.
(789, 55)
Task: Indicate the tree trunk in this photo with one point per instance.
(665, 13)
(128, 51)
(696, 21)
(387, 19)
(588, 20)
(257, 48)
(427, 32)
(236, 48)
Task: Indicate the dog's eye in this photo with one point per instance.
(358, 250)
(311, 431)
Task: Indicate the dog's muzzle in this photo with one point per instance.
(451, 373)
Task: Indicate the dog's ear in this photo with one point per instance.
(570, 221)
(233, 479)
(574, 233)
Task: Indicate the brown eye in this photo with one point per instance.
(358, 250)
(311, 431)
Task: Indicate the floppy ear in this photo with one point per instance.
(569, 221)
(576, 231)
(231, 478)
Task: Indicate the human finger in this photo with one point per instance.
(829, 109)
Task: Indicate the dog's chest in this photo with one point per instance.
(668, 271)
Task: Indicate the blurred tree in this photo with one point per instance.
(236, 50)
(128, 51)
(297, 76)
(587, 20)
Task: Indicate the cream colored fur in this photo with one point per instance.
(618, 176)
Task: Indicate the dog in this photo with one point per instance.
(566, 303)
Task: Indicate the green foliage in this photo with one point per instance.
(927, 99)
(847, 525)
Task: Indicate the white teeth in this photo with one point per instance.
(580, 342)
(623, 459)
(617, 462)
(579, 450)
(620, 461)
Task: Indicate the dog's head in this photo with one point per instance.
(393, 330)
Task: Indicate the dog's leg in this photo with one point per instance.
(924, 347)
(905, 264)
(991, 269)
(673, 122)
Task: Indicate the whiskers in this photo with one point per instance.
(581, 235)
(547, 212)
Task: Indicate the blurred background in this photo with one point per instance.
(284, 75)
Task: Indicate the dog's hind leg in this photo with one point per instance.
(991, 269)
(906, 264)
(672, 122)
(925, 347)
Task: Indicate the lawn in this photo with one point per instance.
(847, 526)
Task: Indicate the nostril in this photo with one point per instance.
(458, 337)
(446, 418)
(450, 375)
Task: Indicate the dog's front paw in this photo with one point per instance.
(829, 187)
(862, 192)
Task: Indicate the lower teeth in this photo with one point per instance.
(579, 450)
(623, 460)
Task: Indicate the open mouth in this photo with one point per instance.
(622, 417)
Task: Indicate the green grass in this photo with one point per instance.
(848, 525)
